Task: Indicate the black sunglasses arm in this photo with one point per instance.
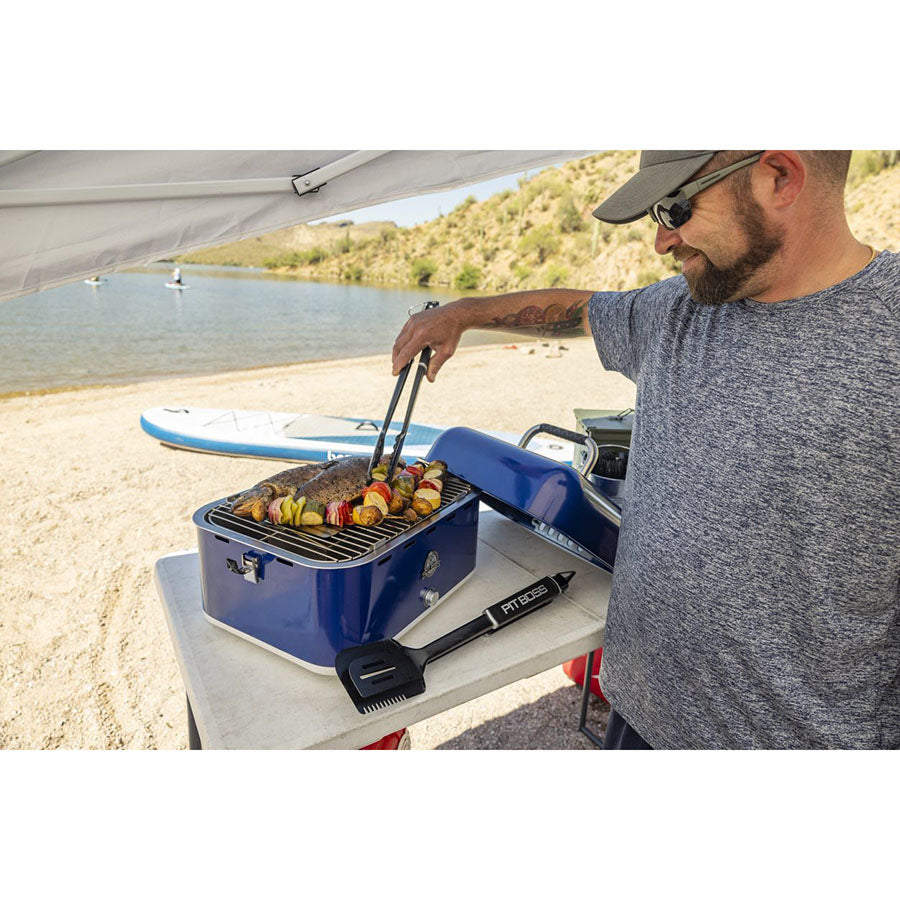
(701, 184)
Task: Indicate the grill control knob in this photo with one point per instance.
(430, 596)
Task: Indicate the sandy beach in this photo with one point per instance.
(91, 502)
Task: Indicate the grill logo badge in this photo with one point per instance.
(432, 561)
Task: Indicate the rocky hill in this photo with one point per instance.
(541, 235)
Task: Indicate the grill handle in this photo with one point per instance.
(593, 451)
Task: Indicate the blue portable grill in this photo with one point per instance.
(308, 597)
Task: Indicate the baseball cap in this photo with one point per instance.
(660, 173)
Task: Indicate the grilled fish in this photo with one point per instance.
(347, 478)
(343, 482)
(254, 502)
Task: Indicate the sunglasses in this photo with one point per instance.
(675, 209)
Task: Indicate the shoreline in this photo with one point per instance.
(175, 376)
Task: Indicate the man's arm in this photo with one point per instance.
(555, 311)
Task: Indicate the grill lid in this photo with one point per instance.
(547, 497)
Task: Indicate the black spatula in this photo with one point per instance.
(381, 673)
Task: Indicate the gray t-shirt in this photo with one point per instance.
(755, 595)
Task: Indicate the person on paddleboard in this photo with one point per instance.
(755, 599)
(176, 276)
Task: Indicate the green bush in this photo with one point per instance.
(866, 163)
(650, 275)
(422, 270)
(353, 273)
(344, 244)
(468, 278)
(286, 259)
(555, 186)
(520, 272)
(542, 240)
(462, 207)
(488, 253)
(570, 220)
(314, 256)
(555, 275)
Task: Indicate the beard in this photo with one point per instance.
(716, 285)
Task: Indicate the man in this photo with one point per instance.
(755, 594)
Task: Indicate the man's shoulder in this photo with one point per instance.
(665, 292)
(884, 281)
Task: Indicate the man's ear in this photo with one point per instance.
(782, 176)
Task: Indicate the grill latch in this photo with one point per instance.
(248, 567)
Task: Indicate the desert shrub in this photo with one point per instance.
(315, 255)
(488, 253)
(468, 245)
(555, 275)
(530, 191)
(650, 275)
(866, 163)
(293, 258)
(570, 219)
(387, 236)
(541, 240)
(468, 277)
(344, 244)
(353, 273)
(422, 270)
(592, 195)
(555, 186)
(520, 272)
(462, 207)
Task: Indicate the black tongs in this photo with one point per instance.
(421, 369)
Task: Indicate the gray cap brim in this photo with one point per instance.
(650, 184)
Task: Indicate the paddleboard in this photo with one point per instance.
(95, 283)
(177, 287)
(301, 436)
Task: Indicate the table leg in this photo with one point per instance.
(585, 696)
(193, 734)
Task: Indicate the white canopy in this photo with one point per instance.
(69, 214)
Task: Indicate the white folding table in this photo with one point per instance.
(241, 696)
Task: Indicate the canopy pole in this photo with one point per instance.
(299, 184)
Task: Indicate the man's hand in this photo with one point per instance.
(439, 328)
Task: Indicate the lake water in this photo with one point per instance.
(133, 328)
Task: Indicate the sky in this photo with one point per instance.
(416, 210)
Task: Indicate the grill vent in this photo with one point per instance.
(350, 543)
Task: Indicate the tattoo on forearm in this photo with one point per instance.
(555, 320)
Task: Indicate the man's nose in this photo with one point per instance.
(666, 240)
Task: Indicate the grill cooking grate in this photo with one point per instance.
(350, 543)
